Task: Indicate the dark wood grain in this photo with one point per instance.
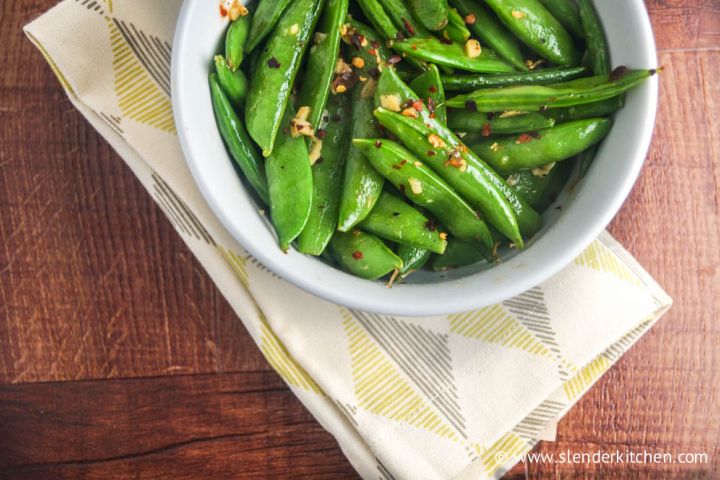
(118, 357)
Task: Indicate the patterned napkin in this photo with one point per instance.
(408, 398)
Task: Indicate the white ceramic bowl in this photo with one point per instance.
(585, 212)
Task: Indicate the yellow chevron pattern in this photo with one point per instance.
(508, 447)
(591, 372)
(138, 95)
(237, 263)
(282, 362)
(598, 257)
(381, 389)
(494, 325)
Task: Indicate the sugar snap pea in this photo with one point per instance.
(234, 84)
(362, 184)
(424, 188)
(488, 124)
(432, 14)
(428, 87)
(290, 182)
(266, 15)
(603, 108)
(395, 220)
(466, 83)
(320, 65)
(276, 70)
(237, 140)
(597, 48)
(530, 21)
(491, 32)
(541, 190)
(510, 154)
(458, 254)
(413, 258)
(456, 30)
(235, 40)
(567, 94)
(402, 18)
(566, 12)
(327, 175)
(458, 166)
(363, 254)
(452, 55)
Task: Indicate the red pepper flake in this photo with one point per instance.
(378, 144)
(431, 105)
(486, 131)
(432, 115)
(273, 63)
(357, 255)
(535, 135)
(618, 73)
(399, 36)
(223, 11)
(417, 105)
(398, 166)
(402, 188)
(431, 225)
(374, 73)
(372, 51)
(413, 46)
(375, 44)
(394, 59)
(430, 153)
(407, 103)
(491, 115)
(320, 133)
(446, 41)
(357, 40)
(523, 138)
(408, 26)
(471, 106)
(433, 89)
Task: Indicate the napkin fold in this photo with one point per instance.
(455, 396)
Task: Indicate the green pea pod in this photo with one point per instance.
(363, 254)
(456, 30)
(488, 28)
(597, 48)
(238, 141)
(266, 15)
(424, 188)
(276, 70)
(541, 191)
(466, 83)
(327, 175)
(290, 181)
(362, 185)
(235, 39)
(427, 86)
(431, 49)
(234, 84)
(432, 14)
(458, 254)
(489, 124)
(402, 18)
(538, 29)
(566, 140)
(321, 60)
(567, 94)
(566, 12)
(589, 110)
(395, 220)
(413, 258)
(378, 18)
(477, 183)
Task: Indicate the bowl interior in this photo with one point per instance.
(578, 216)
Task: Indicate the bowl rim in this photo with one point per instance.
(404, 300)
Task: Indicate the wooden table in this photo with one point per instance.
(119, 357)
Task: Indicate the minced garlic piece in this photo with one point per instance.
(544, 170)
(391, 102)
(415, 185)
(512, 180)
(237, 10)
(315, 150)
(300, 125)
(472, 48)
(436, 141)
(410, 112)
(294, 29)
(342, 67)
(443, 236)
(518, 14)
(512, 113)
(340, 89)
(533, 65)
(495, 147)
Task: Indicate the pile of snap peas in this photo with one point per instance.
(389, 135)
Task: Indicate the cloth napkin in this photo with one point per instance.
(456, 396)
